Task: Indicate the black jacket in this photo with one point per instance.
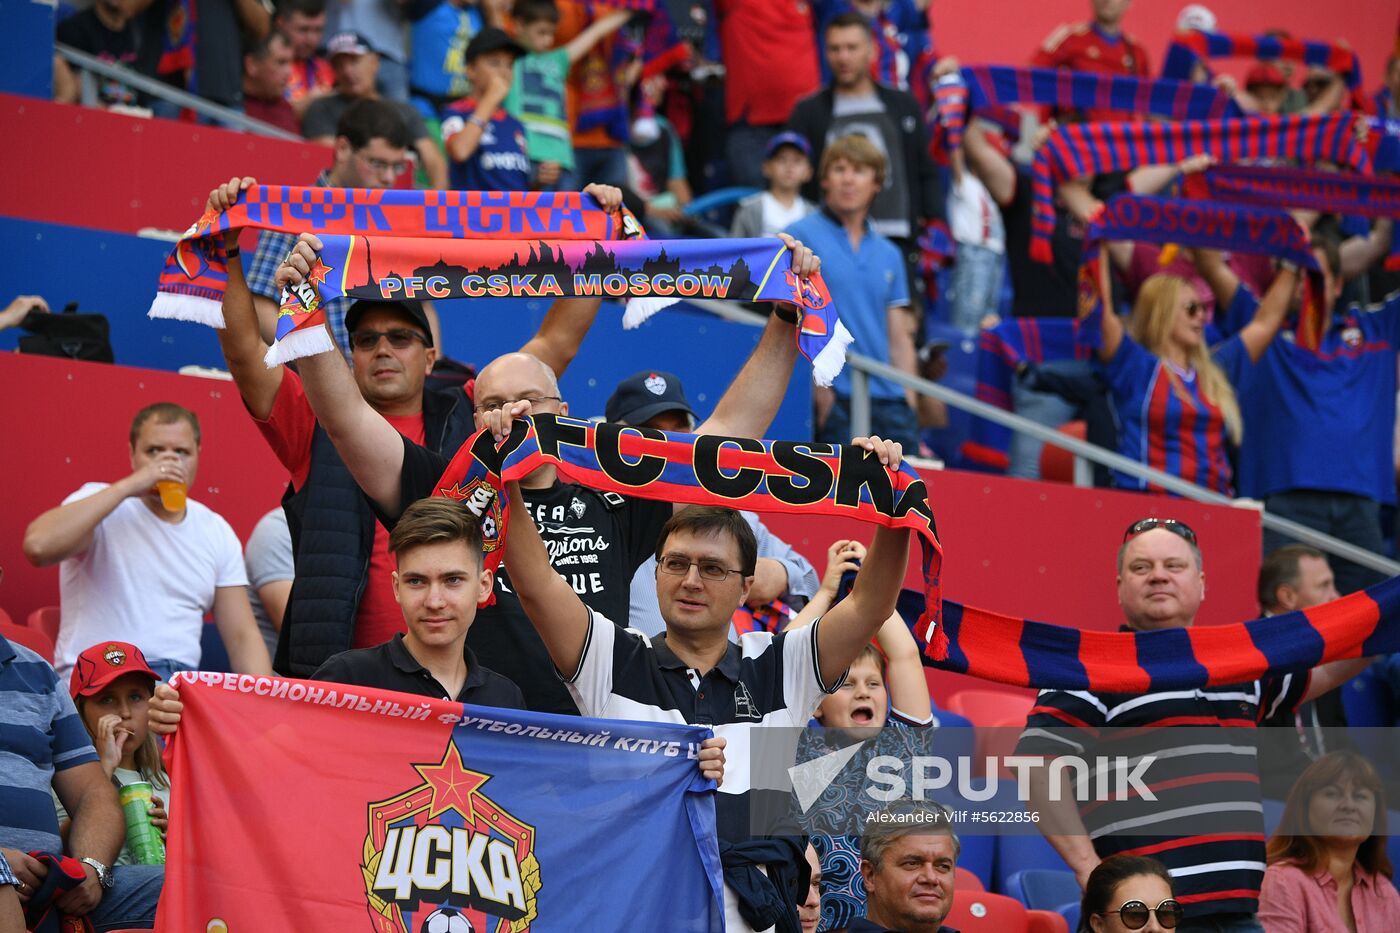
(812, 118)
(332, 527)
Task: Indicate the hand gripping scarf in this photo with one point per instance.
(1082, 149)
(733, 472)
(1210, 225)
(1042, 656)
(1194, 46)
(391, 245)
(995, 87)
(1277, 186)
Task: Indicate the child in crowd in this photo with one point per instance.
(787, 164)
(111, 686)
(537, 96)
(485, 144)
(884, 685)
(438, 40)
(656, 164)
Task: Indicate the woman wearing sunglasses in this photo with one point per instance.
(1128, 892)
(1328, 870)
(1175, 394)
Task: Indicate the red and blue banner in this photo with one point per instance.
(1188, 48)
(1076, 150)
(300, 805)
(1017, 651)
(706, 469)
(389, 245)
(1238, 228)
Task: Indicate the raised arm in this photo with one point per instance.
(994, 169)
(368, 444)
(462, 143)
(597, 31)
(1360, 253)
(905, 670)
(752, 399)
(1222, 280)
(66, 531)
(851, 623)
(841, 556)
(1269, 316)
(1111, 324)
(241, 337)
(247, 652)
(559, 616)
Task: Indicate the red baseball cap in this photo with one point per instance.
(1264, 73)
(103, 663)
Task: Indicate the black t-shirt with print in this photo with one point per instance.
(596, 541)
(128, 46)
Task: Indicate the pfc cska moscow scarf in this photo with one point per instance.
(1080, 149)
(1024, 653)
(734, 472)
(391, 245)
(1188, 48)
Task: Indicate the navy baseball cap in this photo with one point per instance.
(788, 138)
(347, 43)
(646, 395)
(492, 39)
(410, 309)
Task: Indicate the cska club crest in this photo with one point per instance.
(808, 292)
(480, 498)
(445, 858)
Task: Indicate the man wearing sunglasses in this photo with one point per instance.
(1206, 824)
(341, 595)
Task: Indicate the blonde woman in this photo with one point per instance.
(1173, 393)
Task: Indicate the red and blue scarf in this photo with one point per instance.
(1080, 149)
(390, 245)
(1188, 48)
(733, 472)
(1017, 651)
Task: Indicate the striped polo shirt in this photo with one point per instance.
(1205, 773)
(764, 680)
(40, 734)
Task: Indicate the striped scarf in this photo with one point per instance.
(1017, 651)
(1188, 48)
(472, 244)
(1080, 149)
(733, 472)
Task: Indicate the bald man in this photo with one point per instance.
(596, 540)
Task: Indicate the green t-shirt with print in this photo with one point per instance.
(536, 99)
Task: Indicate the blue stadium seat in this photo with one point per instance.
(1041, 889)
(978, 856)
(1367, 701)
(1022, 852)
(1070, 912)
(1273, 813)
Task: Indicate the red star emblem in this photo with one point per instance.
(319, 272)
(451, 783)
(206, 221)
(455, 492)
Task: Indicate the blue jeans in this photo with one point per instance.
(1045, 408)
(604, 166)
(392, 83)
(890, 418)
(1222, 923)
(743, 150)
(976, 290)
(1354, 519)
(166, 668)
(131, 904)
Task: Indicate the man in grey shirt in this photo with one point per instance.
(268, 559)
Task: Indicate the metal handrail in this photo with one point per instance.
(225, 115)
(862, 367)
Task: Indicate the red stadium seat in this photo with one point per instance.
(1045, 921)
(45, 619)
(991, 707)
(988, 913)
(965, 879)
(5, 617)
(30, 638)
(1056, 464)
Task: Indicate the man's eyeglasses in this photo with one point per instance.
(380, 166)
(1180, 529)
(533, 400)
(400, 338)
(711, 570)
(1134, 914)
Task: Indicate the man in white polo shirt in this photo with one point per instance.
(144, 569)
(693, 674)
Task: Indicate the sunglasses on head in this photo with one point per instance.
(1134, 914)
(399, 338)
(1180, 529)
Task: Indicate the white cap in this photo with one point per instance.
(1195, 16)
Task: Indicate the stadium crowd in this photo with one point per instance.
(1194, 360)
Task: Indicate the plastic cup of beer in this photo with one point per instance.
(142, 838)
(172, 494)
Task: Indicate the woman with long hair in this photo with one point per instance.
(1328, 869)
(1175, 394)
(1129, 892)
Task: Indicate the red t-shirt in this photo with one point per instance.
(277, 112)
(288, 431)
(1083, 47)
(770, 54)
(313, 74)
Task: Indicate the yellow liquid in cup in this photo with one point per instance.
(172, 495)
